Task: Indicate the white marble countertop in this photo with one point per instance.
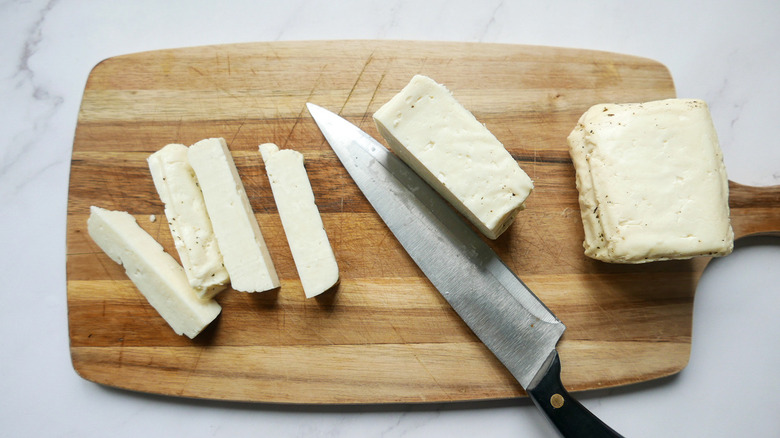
(722, 51)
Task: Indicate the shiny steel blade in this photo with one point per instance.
(504, 314)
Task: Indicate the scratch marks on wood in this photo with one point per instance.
(367, 112)
(357, 81)
(313, 90)
(191, 371)
(196, 70)
(238, 130)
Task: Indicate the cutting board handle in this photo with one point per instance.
(754, 209)
(569, 417)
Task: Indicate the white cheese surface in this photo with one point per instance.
(188, 220)
(456, 154)
(311, 250)
(652, 182)
(243, 248)
(154, 272)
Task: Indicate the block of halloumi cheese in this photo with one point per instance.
(240, 240)
(652, 183)
(309, 244)
(188, 220)
(154, 272)
(456, 154)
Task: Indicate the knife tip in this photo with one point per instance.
(318, 113)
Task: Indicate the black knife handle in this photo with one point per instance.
(566, 414)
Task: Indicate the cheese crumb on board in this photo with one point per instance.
(456, 154)
(188, 220)
(243, 248)
(154, 272)
(652, 183)
(311, 250)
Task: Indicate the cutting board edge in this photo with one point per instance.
(633, 384)
(389, 43)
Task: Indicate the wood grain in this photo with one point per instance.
(384, 335)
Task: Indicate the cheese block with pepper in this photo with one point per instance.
(456, 154)
(652, 183)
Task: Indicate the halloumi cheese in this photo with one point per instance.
(313, 256)
(244, 251)
(456, 154)
(652, 183)
(188, 220)
(154, 272)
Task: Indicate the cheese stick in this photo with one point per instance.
(240, 240)
(154, 272)
(188, 220)
(311, 250)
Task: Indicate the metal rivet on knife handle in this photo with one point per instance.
(556, 400)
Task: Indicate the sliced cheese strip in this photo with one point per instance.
(243, 248)
(153, 271)
(188, 220)
(456, 154)
(652, 182)
(311, 250)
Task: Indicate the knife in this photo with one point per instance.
(496, 305)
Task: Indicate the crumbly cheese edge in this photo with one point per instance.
(212, 278)
(594, 244)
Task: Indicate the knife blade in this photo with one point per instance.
(496, 305)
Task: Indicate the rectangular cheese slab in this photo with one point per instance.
(652, 183)
(314, 259)
(188, 220)
(241, 242)
(456, 154)
(153, 271)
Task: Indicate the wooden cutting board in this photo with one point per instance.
(384, 335)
